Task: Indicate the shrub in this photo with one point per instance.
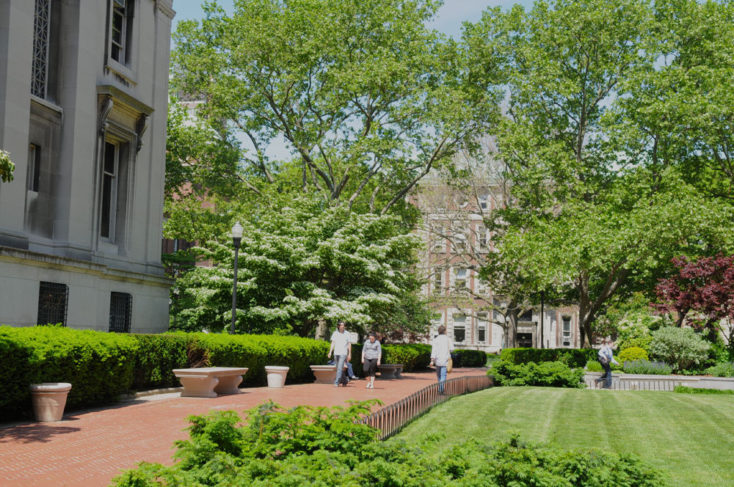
(696, 390)
(156, 358)
(331, 447)
(570, 356)
(413, 356)
(682, 348)
(722, 370)
(553, 374)
(633, 353)
(469, 358)
(647, 367)
(98, 365)
(594, 366)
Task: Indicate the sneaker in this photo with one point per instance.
(336, 385)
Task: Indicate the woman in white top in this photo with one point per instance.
(440, 355)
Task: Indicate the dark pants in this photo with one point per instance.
(607, 377)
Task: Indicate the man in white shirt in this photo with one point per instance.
(440, 355)
(342, 349)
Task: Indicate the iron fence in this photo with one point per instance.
(390, 419)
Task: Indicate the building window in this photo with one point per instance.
(109, 190)
(438, 280)
(437, 238)
(526, 316)
(121, 306)
(121, 30)
(482, 238)
(53, 299)
(459, 242)
(566, 331)
(34, 167)
(41, 42)
(484, 201)
(481, 334)
(459, 327)
(482, 322)
(460, 278)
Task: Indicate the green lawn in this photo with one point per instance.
(691, 437)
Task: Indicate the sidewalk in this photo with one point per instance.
(89, 448)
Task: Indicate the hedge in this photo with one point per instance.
(101, 366)
(469, 358)
(573, 357)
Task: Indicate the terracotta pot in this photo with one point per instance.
(276, 375)
(325, 374)
(49, 400)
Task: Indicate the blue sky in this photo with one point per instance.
(448, 21)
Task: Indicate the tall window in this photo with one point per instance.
(121, 306)
(34, 167)
(53, 299)
(41, 42)
(482, 321)
(109, 190)
(566, 331)
(122, 24)
(459, 327)
(460, 278)
(484, 201)
(482, 238)
(438, 280)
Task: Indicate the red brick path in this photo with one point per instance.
(89, 448)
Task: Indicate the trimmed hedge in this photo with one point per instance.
(469, 358)
(549, 374)
(101, 366)
(573, 357)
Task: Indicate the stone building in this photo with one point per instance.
(455, 244)
(83, 105)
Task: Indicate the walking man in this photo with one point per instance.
(440, 356)
(606, 359)
(341, 347)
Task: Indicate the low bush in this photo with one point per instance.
(647, 367)
(682, 348)
(594, 366)
(99, 366)
(696, 390)
(469, 358)
(721, 370)
(331, 447)
(573, 357)
(551, 374)
(413, 356)
(156, 358)
(633, 353)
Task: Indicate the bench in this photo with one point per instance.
(210, 381)
(325, 374)
(390, 371)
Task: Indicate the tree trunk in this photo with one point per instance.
(512, 328)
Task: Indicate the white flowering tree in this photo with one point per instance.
(303, 265)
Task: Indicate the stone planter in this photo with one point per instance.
(398, 371)
(325, 374)
(276, 375)
(388, 371)
(49, 400)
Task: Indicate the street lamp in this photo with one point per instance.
(236, 239)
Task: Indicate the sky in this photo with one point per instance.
(449, 19)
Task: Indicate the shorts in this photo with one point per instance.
(370, 367)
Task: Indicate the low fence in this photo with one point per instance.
(635, 382)
(390, 419)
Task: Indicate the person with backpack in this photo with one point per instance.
(606, 359)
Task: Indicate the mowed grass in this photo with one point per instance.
(690, 437)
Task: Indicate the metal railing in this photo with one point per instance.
(390, 419)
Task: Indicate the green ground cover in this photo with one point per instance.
(690, 437)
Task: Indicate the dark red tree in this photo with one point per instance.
(701, 293)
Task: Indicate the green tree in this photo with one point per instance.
(6, 167)
(366, 98)
(301, 265)
(590, 209)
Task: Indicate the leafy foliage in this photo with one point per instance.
(633, 353)
(301, 265)
(550, 374)
(572, 357)
(697, 390)
(6, 167)
(644, 366)
(721, 370)
(330, 447)
(413, 356)
(469, 358)
(681, 348)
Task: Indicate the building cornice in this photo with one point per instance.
(166, 6)
(117, 94)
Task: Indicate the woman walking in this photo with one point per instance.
(371, 356)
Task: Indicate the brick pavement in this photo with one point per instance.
(89, 448)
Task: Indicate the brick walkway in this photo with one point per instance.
(89, 448)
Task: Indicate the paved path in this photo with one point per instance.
(89, 448)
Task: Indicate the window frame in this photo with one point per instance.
(127, 317)
(113, 195)
(57, 291)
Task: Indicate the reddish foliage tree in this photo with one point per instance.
(701, 293)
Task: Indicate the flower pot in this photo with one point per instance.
(276, 375)
(49, 400)
(325, 374)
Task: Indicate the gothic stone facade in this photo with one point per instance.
(83, 102)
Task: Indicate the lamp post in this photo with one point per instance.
(236, 239)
